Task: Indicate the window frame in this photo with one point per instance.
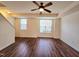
(50, 26)
(23, 24)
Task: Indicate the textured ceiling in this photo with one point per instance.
(2, 5)
(26, 6)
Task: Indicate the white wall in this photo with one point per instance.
(7, 33)
(33, 29)
(57, 28)
(70, 29)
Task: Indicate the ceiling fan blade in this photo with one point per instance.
(35, 3)
(34, 9)
(48, 4)
(47, 10)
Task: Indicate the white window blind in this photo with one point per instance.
(45, 26)
(23, 24)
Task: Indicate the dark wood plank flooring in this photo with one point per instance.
(39, 47)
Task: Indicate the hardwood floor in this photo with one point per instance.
(39, 47)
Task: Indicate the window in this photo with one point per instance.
(23, 24)
(45, 26)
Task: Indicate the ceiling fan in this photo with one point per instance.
(41, 7)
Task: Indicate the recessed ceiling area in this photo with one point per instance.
(1, 5)
(26, 6)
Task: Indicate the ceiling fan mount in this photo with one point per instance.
(42, 7)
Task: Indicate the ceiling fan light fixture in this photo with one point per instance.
(41, 9)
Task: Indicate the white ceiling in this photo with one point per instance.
(26, 6)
